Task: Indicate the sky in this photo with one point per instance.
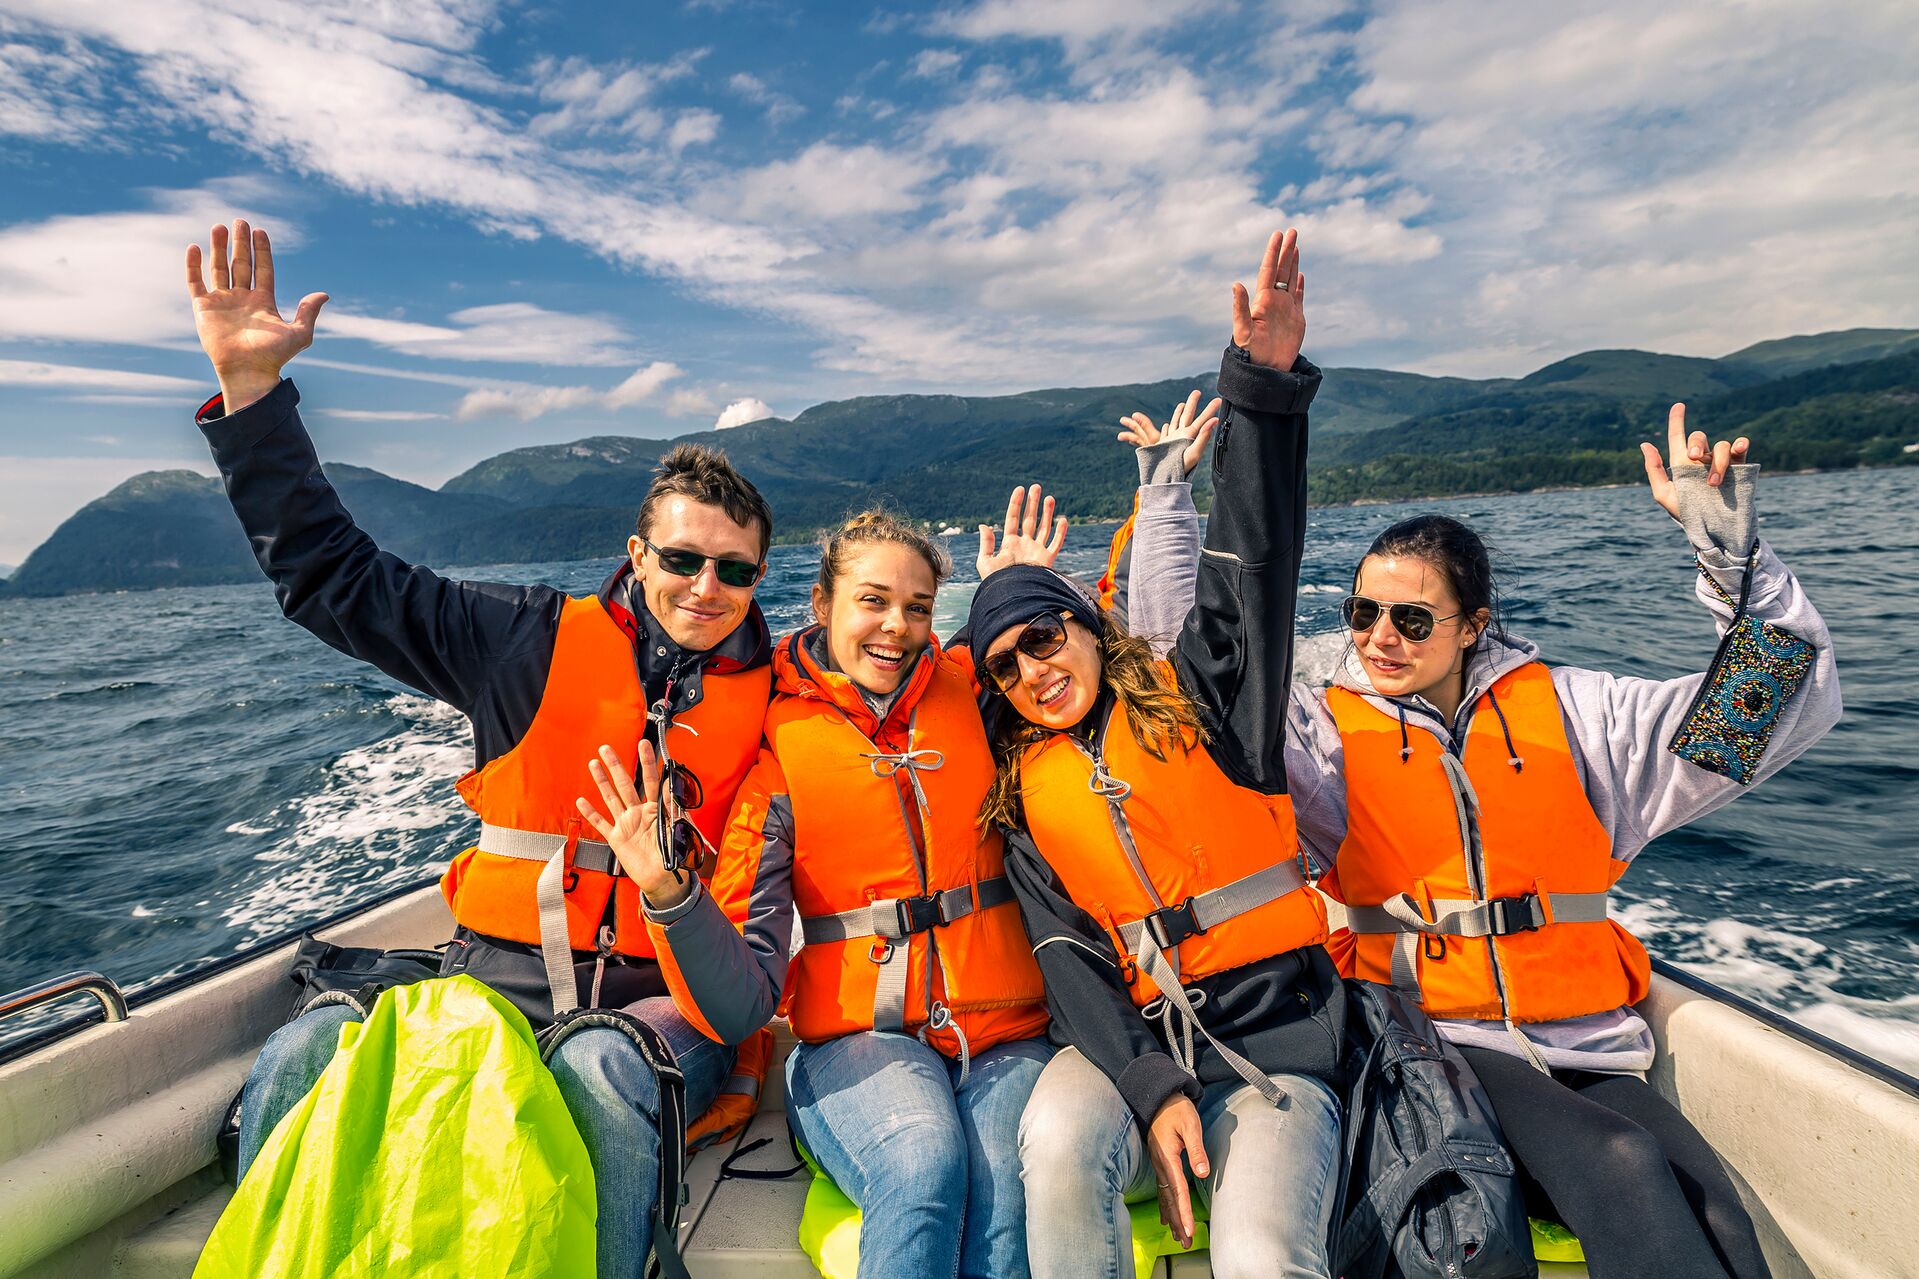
(540, 222)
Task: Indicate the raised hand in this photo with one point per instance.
(1026, 542)
(1176, 1130)
(629, 823)
(1271, 322)
(1188, 423)
(240, 326)
(1684, 448)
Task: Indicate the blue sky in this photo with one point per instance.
(540, 222)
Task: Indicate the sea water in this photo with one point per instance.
(184, 774)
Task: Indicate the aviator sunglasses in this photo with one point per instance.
(1042, 637)
(1413, 621)
(683, 563)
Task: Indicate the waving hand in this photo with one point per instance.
(239, 323)
(1271, 322)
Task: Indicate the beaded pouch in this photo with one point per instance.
(1756, 670)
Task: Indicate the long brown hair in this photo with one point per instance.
(1158, 713)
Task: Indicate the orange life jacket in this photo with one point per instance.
(1108, 584)
(1168, 845)
(905, 909)
(739, 1098)
(1517, 932)
(525, 798)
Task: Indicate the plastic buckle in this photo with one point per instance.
(1515, 915)
(1171, 925)
(918, 914)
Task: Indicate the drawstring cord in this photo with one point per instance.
(887, 764)
(1512, 752)
(1405, 743)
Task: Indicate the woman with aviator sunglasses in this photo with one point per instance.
(1476, 806)
(1151, 845)
(914, 996)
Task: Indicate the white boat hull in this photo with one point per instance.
(107, 1159)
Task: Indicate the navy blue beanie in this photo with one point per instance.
(1016, 595)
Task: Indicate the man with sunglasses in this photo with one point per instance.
(671, 647)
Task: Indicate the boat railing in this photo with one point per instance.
(113, 1004)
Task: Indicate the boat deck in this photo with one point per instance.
(107, 1161)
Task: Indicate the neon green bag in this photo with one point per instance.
(830, 1229)
(435, 1145)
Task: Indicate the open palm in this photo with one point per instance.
(1270, 322)
(239, 323)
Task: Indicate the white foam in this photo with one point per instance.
(374, 821)
(1316, 657)
(1795, 976)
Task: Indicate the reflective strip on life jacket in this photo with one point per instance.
(893, 919)
(1159, 959)
(556, 950)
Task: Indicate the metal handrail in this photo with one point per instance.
(113, 1004)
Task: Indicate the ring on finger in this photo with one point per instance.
(1280, 286)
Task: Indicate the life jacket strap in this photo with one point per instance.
(1463, 917)
(556, 945)
(1172, 925)
(892, 919)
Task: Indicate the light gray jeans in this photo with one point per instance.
(1270, 1193)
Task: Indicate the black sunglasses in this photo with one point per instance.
(680, 842)
(1042, 637)
(1414, 621)
(682, 563)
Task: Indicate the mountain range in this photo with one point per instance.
(1823, 400)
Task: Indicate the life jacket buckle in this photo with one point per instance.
(1517, 915)
(1171, 925)
(918, 914)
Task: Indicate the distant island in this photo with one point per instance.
(1828, 400)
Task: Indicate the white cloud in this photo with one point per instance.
(119, 277)
(515, 332)
(780, 108)
(526, 402)
(1075, 23)
(381, 415)
(825, 183)
(689, 402)
(642, 385)
(740, 412)
(931, 64)
(33, 373)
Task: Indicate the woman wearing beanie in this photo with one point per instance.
(915, 996)
(1153, 852)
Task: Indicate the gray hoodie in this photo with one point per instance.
(1618, 726)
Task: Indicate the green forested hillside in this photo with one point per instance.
(1844, 399)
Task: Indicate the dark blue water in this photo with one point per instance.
(183, 772)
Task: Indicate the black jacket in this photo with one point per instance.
(481, 647)
(1234, 657)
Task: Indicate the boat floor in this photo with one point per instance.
(732, 1228)
(107, 1163)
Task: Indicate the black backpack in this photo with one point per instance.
(1429, 1190)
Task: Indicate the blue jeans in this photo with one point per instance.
(932, 1163)
(1270, 1192)
(612, 1094)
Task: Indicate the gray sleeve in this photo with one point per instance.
(1315, 776)
(1619, 726)
(732, 977)
(1721, 523)
(1165, 566)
